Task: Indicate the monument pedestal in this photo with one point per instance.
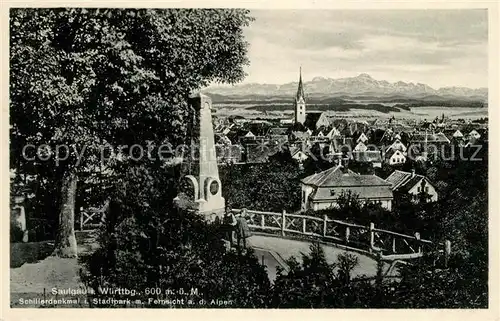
(202, 186)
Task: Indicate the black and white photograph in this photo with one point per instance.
(232, 158)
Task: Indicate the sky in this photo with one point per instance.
(436, 47)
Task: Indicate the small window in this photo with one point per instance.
(426, 189)
(303, 196)
(419, 189)
(332, 192)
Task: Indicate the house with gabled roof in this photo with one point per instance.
(318, 133)
(474, 134)
(249, 134)
(458, 134)
(297, 154)
(300, 136)
(322, 190)
(362, 138)
(334, 132)
(434, 138)
(413, 184)
(395, 157)
(360, 147)
(396, 145)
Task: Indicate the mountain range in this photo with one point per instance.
(361, 86)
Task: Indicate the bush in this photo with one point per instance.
(147, 244)
(16, 233)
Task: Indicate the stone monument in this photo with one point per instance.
(201, 189)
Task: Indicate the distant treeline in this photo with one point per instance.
(344, 106)
(447, 103)
(333, 107)
(401, 102)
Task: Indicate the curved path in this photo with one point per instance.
(276, 250)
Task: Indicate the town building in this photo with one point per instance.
(315, 120)
(373, 157)
(412, 184)
(362, 138)
(395, 157)
(322, 190)
(396, 145)
(458, 134)
(334, 132)
(298, 155)
(360, 147)
(474, 134)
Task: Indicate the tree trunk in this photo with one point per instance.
(66, 241)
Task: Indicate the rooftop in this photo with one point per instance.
(403, 181)
(340, 177)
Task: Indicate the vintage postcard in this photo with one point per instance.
(250, 158)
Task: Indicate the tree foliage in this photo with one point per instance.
(272, 186)
(147, 243)
(95, 79)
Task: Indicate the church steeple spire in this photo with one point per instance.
(300, 101)
(300, 89)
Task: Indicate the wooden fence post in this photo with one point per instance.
(262, 221)
(393, 244)
(304, 226)
(417, 237)
(325, 220)
(283, 221)
(372, 236)
(447, 252)
(81, 221)
(347, 234)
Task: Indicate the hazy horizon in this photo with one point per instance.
(439, 48)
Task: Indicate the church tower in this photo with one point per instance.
(300, 102)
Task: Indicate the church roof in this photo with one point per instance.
(312, 119)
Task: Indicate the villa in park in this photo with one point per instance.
(322, 190)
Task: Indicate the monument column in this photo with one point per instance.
(203, 179)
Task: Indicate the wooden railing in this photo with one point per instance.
(386, 244)
(390, 245)
(92, 218)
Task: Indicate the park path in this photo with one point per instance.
(285, 248)
(36, 280)
(32, 280)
